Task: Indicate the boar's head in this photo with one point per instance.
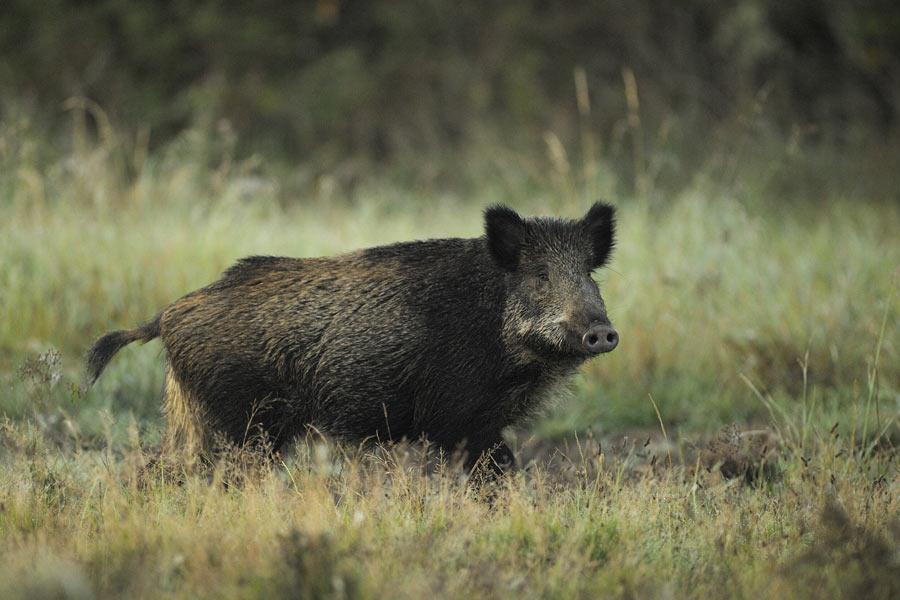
(553, 305)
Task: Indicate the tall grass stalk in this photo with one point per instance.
(872, 379)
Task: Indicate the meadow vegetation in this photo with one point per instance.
(732, 306)
(717, 285)
(740, 442)
(342, 525)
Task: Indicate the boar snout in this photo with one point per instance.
(600, 338)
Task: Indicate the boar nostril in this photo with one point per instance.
(600, 338)
(612, 338)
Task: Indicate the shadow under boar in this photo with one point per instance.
(451, 339)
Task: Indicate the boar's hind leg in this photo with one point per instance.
(187, 435)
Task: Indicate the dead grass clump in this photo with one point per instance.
(749, 454)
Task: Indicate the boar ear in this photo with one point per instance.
(600, 224)
(505, 231)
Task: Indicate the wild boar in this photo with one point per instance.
(450, 339)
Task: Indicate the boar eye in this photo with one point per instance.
(543, 277)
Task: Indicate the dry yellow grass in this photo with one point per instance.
(77, 524)
(730, 308)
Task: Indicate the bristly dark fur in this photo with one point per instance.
(453, 339)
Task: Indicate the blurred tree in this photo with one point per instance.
(329, 78)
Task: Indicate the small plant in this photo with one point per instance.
(40, 375)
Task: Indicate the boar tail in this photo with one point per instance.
(105, 348)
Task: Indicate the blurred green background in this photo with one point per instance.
(751, 147)
(345, 84)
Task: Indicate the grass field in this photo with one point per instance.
(777, 313)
